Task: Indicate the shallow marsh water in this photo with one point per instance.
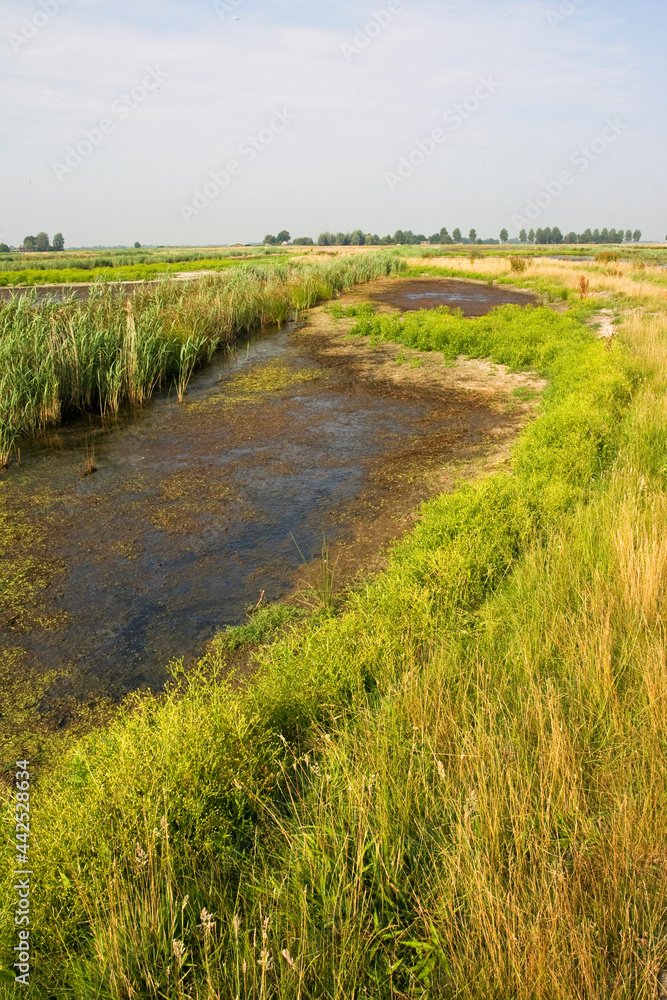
(474, 298)
(197, 509)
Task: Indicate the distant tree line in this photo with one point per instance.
(401, 236)
(406, 237)
(588, 236)
(41, 242)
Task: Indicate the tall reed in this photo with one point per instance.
(60, 358)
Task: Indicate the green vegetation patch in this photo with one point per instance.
(74, 275)
(269, 376)
(262, 623)
(363, 309)
(25, 570)
(521, 337)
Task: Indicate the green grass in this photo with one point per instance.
(261, 624)
(364, 309)
(451, 786)
(107, 272)
(59, 358)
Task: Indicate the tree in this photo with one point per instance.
(549, 235)
(4, 248)
(456, 235)
(571, 238)
(523, 236)
(628, 236)
(303, 241)
(283, 236)
(407, 237)
(137, 245)
(357, 239)
(59, 242)
(29, 243)
(472, 235)
(531, 236)
(270, 240)
(637, 235)
(504, 236)
(42, 242)
(326, 239)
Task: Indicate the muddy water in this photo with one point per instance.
(474, 298)
(195, 510)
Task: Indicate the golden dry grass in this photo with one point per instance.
(623, 277)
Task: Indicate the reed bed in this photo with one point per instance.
(63, 358)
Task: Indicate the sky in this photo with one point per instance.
(207, 122)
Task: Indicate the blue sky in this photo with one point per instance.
(244, 117)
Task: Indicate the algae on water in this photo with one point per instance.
(270, 376)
